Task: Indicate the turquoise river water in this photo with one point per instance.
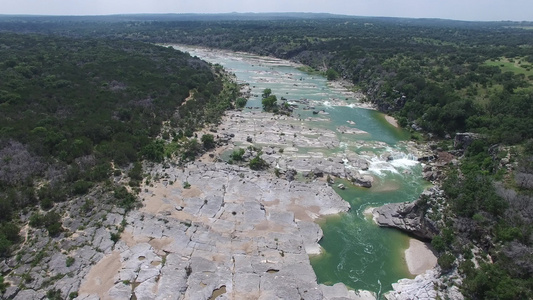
(356, 251)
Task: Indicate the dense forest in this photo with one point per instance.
(437, 77)
(75, 112)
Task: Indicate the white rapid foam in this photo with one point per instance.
(400, 161)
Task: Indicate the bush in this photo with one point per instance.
(208, 140)
(331, 74)
(126, 199)
(438, 244)
(136, 172)
(446, 261)
(5, 245)
(69, 261)
(257, 163)
(270, 103)
(81, 187)
(237, 155)
(3, 285)
(115, 236)
(241, 102)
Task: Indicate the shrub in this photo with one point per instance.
(208, 140)
(69, 261)
(240, 102)
(81, 187)
(257, 163)
(446, 261)
(237, 155)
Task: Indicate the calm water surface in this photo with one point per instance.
(356, 251)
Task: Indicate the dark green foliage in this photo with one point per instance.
(240, 102)
(438, 243)
(154, 151)
(331, 74)
(51, 221)
(135, 173)
(257, 163)
(3, 285)
(10, 231)
(208, 140)
(490, 281)
(81, 187)
(115, 236)
(270, 103)
(6, 208)
(472, 194)
(237, 155)
(446, 261)
(5, 245)
(54, 294)
(69, 261)
(191, 148)
(125, 199)
(266, 93)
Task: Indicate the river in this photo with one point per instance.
(356, 252)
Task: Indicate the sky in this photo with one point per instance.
(470, 10)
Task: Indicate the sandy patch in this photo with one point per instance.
(101, 277)
(264, 226)
(419, 257)
(132, 240)
(392, 121)
(191, 192)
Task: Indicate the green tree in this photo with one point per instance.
(241, 102)
(257, 163)
(331, 74)
(266, 92)
(270, 103)
(208, 140)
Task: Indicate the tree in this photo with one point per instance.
(257, 163)
(331, 74)
(190, 149)
(240, 102)
(266, 92)
(208, 141)
(269, 103)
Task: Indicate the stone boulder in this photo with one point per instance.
(362, 180)
(407, 216)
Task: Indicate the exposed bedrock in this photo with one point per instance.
(411, 217)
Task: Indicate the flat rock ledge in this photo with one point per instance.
(233, 233)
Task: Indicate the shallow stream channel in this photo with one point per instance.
(355, 252)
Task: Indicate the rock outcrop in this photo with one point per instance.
(410, 217)
(427, 286)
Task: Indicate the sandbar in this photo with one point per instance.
(392, 121)
(419, 257)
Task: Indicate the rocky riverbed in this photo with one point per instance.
(205, 230)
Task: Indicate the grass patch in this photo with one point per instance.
(516, 65)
